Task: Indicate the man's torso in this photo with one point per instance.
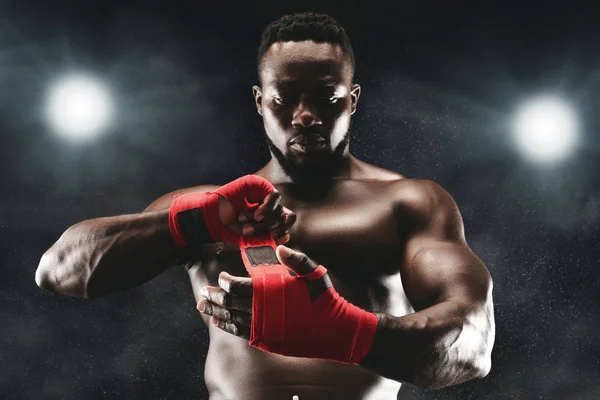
(351, 228)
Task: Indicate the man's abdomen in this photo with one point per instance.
(235, 370)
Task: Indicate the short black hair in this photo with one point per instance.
(320, 28)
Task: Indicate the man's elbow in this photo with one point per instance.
(480, 368)
(477, 369)
(46, 278)
(43, 274)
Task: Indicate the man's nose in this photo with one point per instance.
(305, 115)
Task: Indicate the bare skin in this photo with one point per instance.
(393, 246)
(361, 246)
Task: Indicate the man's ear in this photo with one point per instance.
(354, 95)
(257, 98)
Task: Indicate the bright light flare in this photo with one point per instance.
(79, 107)
(546, 129)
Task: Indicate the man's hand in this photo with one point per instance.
(268, 217)
(296, 313)
(249, 205)
(230, 304)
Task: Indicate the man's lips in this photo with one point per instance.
(308, 143)
(307, 140)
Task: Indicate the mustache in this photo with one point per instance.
(307, 136)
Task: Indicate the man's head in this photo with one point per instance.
(306, 97)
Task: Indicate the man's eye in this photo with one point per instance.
(329, 99)
(281, 100)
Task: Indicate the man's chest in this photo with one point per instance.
(355, 237)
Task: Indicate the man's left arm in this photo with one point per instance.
(449, 339)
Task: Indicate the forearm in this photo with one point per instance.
(440, 346)
(104, 255)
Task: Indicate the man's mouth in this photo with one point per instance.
(310, 139)
(312, 142)
(309, 147)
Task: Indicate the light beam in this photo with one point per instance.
(79, 107)
(546, 129)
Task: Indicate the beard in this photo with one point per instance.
(321, 169)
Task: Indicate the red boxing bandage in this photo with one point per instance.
(285, 320)
(194, 217)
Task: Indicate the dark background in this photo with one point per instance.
(440, 83)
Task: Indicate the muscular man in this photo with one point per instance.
(394, 248)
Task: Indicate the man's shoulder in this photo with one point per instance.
(407, 193)
(164, 202)
(421, 199)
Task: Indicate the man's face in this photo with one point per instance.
(306, 101)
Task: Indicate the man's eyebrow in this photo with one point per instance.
(287, 83)
(326, 81)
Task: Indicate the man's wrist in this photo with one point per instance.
(367, 359)
(186, 221)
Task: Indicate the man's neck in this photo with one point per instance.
(274, 172)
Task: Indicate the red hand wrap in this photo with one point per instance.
(285, 321)
(243, 193)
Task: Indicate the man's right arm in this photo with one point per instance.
(105, 255)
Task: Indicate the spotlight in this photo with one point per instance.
(79, 107)
(546, 129)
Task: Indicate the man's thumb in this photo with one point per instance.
(295, 260)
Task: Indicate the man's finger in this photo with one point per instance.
(264, 226)
(290, 218)
(239, 318)
(269, 204)
(229, 327)
(235, 285)
(283, 239)
(224, 299)
(282, 218)
(246, 215)
(279, 231)
(297, 261)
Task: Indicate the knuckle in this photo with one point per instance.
(278, 210)
(225, 285)
(291, 219)
(233, 286)
(236, 305)
(275, 196)
(236, 319)
(225, 300)
(213, 297)
(303, 259)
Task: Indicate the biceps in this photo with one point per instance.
(444, 270)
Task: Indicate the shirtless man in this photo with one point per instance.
(394, 247)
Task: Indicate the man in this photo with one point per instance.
(411, 302)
